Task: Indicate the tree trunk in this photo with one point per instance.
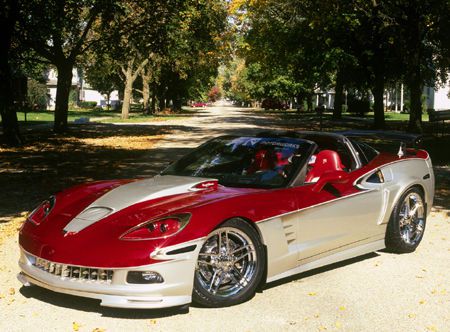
(378, 92)
(127, 92)
(108, 101)
(177, 103)
(8, 113)
(309, 102)
(415, 115)
(10, 125)
(146, 90)
(378, 106)
(130, 77)
(62, 96)
(300, 100)
(338, 97)
(153, 104)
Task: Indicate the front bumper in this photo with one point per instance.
(178, 274)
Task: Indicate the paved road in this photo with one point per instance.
(380, 291)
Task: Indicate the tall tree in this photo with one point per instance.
(59, 31)
(423, 36)
(8, 19)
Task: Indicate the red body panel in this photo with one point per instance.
(99, 245)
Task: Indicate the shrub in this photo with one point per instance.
(87, 104)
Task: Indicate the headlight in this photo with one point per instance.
(158, 229)
(42, 211)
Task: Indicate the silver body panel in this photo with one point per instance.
(345, 227)
(177, 271)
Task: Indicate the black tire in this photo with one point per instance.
(397, 239)
(232, 274)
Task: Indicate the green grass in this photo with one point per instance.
(100, 116)
(389, 116)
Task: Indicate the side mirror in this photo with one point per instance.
(330, 177)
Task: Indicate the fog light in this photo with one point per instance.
(144, 277)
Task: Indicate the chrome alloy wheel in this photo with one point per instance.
(227, 262)
(412, 218)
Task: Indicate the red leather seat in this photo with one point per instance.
(264, 160)
(326, 160)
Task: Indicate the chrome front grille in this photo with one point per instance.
(73, 272)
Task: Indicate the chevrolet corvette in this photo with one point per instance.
(228, 217)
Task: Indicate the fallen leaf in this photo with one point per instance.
(434, 291)
(431, 328)
(312, 293)
(316, 316)
(98, 329)
(342, 308)
(75, 326)
(422, 302)
(153, 321)
(322, 328)
(12, 291)
(412, 315)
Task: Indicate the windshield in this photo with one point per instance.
(245, 161)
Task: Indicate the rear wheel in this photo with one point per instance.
(230, 265)
(407, 222)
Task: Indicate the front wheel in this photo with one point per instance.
(407, 223)
(230, 265)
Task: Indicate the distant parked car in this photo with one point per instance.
(199, 104)
(273, 104)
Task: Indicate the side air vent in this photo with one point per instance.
(289, 231)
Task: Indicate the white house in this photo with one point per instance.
(438, 99)
(84, 92)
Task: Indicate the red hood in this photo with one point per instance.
(98, 244)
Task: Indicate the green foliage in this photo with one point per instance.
(87, 104)
(37, 94)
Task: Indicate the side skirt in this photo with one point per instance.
(333, 258)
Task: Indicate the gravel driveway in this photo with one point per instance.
(379, 291)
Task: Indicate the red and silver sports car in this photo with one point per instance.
(233, 214)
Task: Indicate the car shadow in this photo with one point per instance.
(93, 305)
(320, 270)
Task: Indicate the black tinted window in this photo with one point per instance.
(366, 152)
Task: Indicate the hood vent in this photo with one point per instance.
(205, 185)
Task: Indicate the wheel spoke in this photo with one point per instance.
(207, 254)
(213, 279)
(235, 280)
(227, 242)
(402, 222)
(407, 206)
(219, 242)
(407, 234)
(207, 263)
(218, 283)
(248, 246)
(414, 210)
